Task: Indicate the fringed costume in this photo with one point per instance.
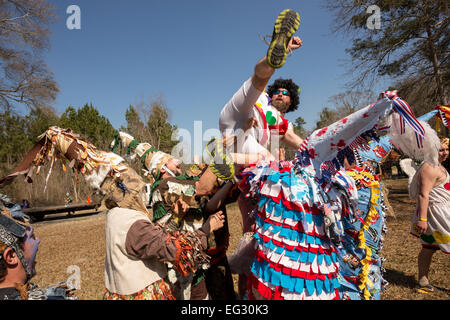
(164, 193)
(305, 206)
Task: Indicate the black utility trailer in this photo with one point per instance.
(38, 213)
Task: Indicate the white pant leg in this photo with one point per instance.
(239, 109)
(247, 143)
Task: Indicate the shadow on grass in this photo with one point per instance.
(400, 192)
(398, 278)
(62, 217)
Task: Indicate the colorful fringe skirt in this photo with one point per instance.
(294, 259)
(360, 264)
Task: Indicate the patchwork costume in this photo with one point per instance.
(293, 256)
(135, 259)
(300, 205)
(249, 102)
(361, 270)
(164, 193)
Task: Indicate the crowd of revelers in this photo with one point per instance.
(313, 226)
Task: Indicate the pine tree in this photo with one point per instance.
(38, 120)
(149, 122)
(299, 127)
(88, 123)
(13, 139)
(135, 126)
(412, 41)
(161, 129)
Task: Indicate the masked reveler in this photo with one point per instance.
(256, 118)
(360, 263)
(203, 194)
(18, 248)
(300, 205)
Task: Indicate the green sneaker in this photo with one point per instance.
(221, 163)
(285, 26)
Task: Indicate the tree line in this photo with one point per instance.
(410, 50)
(19, 133)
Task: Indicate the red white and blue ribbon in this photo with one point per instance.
(406, 116)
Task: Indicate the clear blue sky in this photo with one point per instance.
(195, 53)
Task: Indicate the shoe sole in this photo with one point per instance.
(286, 25)
(426, 289)
(221, 164)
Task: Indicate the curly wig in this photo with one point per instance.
(290, 86)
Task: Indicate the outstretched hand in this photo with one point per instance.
(214, 222)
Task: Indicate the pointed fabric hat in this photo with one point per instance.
(152, 159)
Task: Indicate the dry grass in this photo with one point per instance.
(81, 242)
(401, 250)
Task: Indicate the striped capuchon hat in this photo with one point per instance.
(152, 160)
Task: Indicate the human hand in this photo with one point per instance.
(229, 141)
(294, 43)
(180, 208)
(250, 123)
(421, 227)
(214, 222)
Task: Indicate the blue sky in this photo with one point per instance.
(195, 54)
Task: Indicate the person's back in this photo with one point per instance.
(125, 274)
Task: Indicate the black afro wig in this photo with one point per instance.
(290, 86)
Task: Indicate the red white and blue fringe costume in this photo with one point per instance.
(300, 205)
(361, 270)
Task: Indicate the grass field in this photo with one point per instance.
(80, 241)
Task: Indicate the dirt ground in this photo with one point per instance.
(80, 241)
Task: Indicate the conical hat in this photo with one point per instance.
(152, 159)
